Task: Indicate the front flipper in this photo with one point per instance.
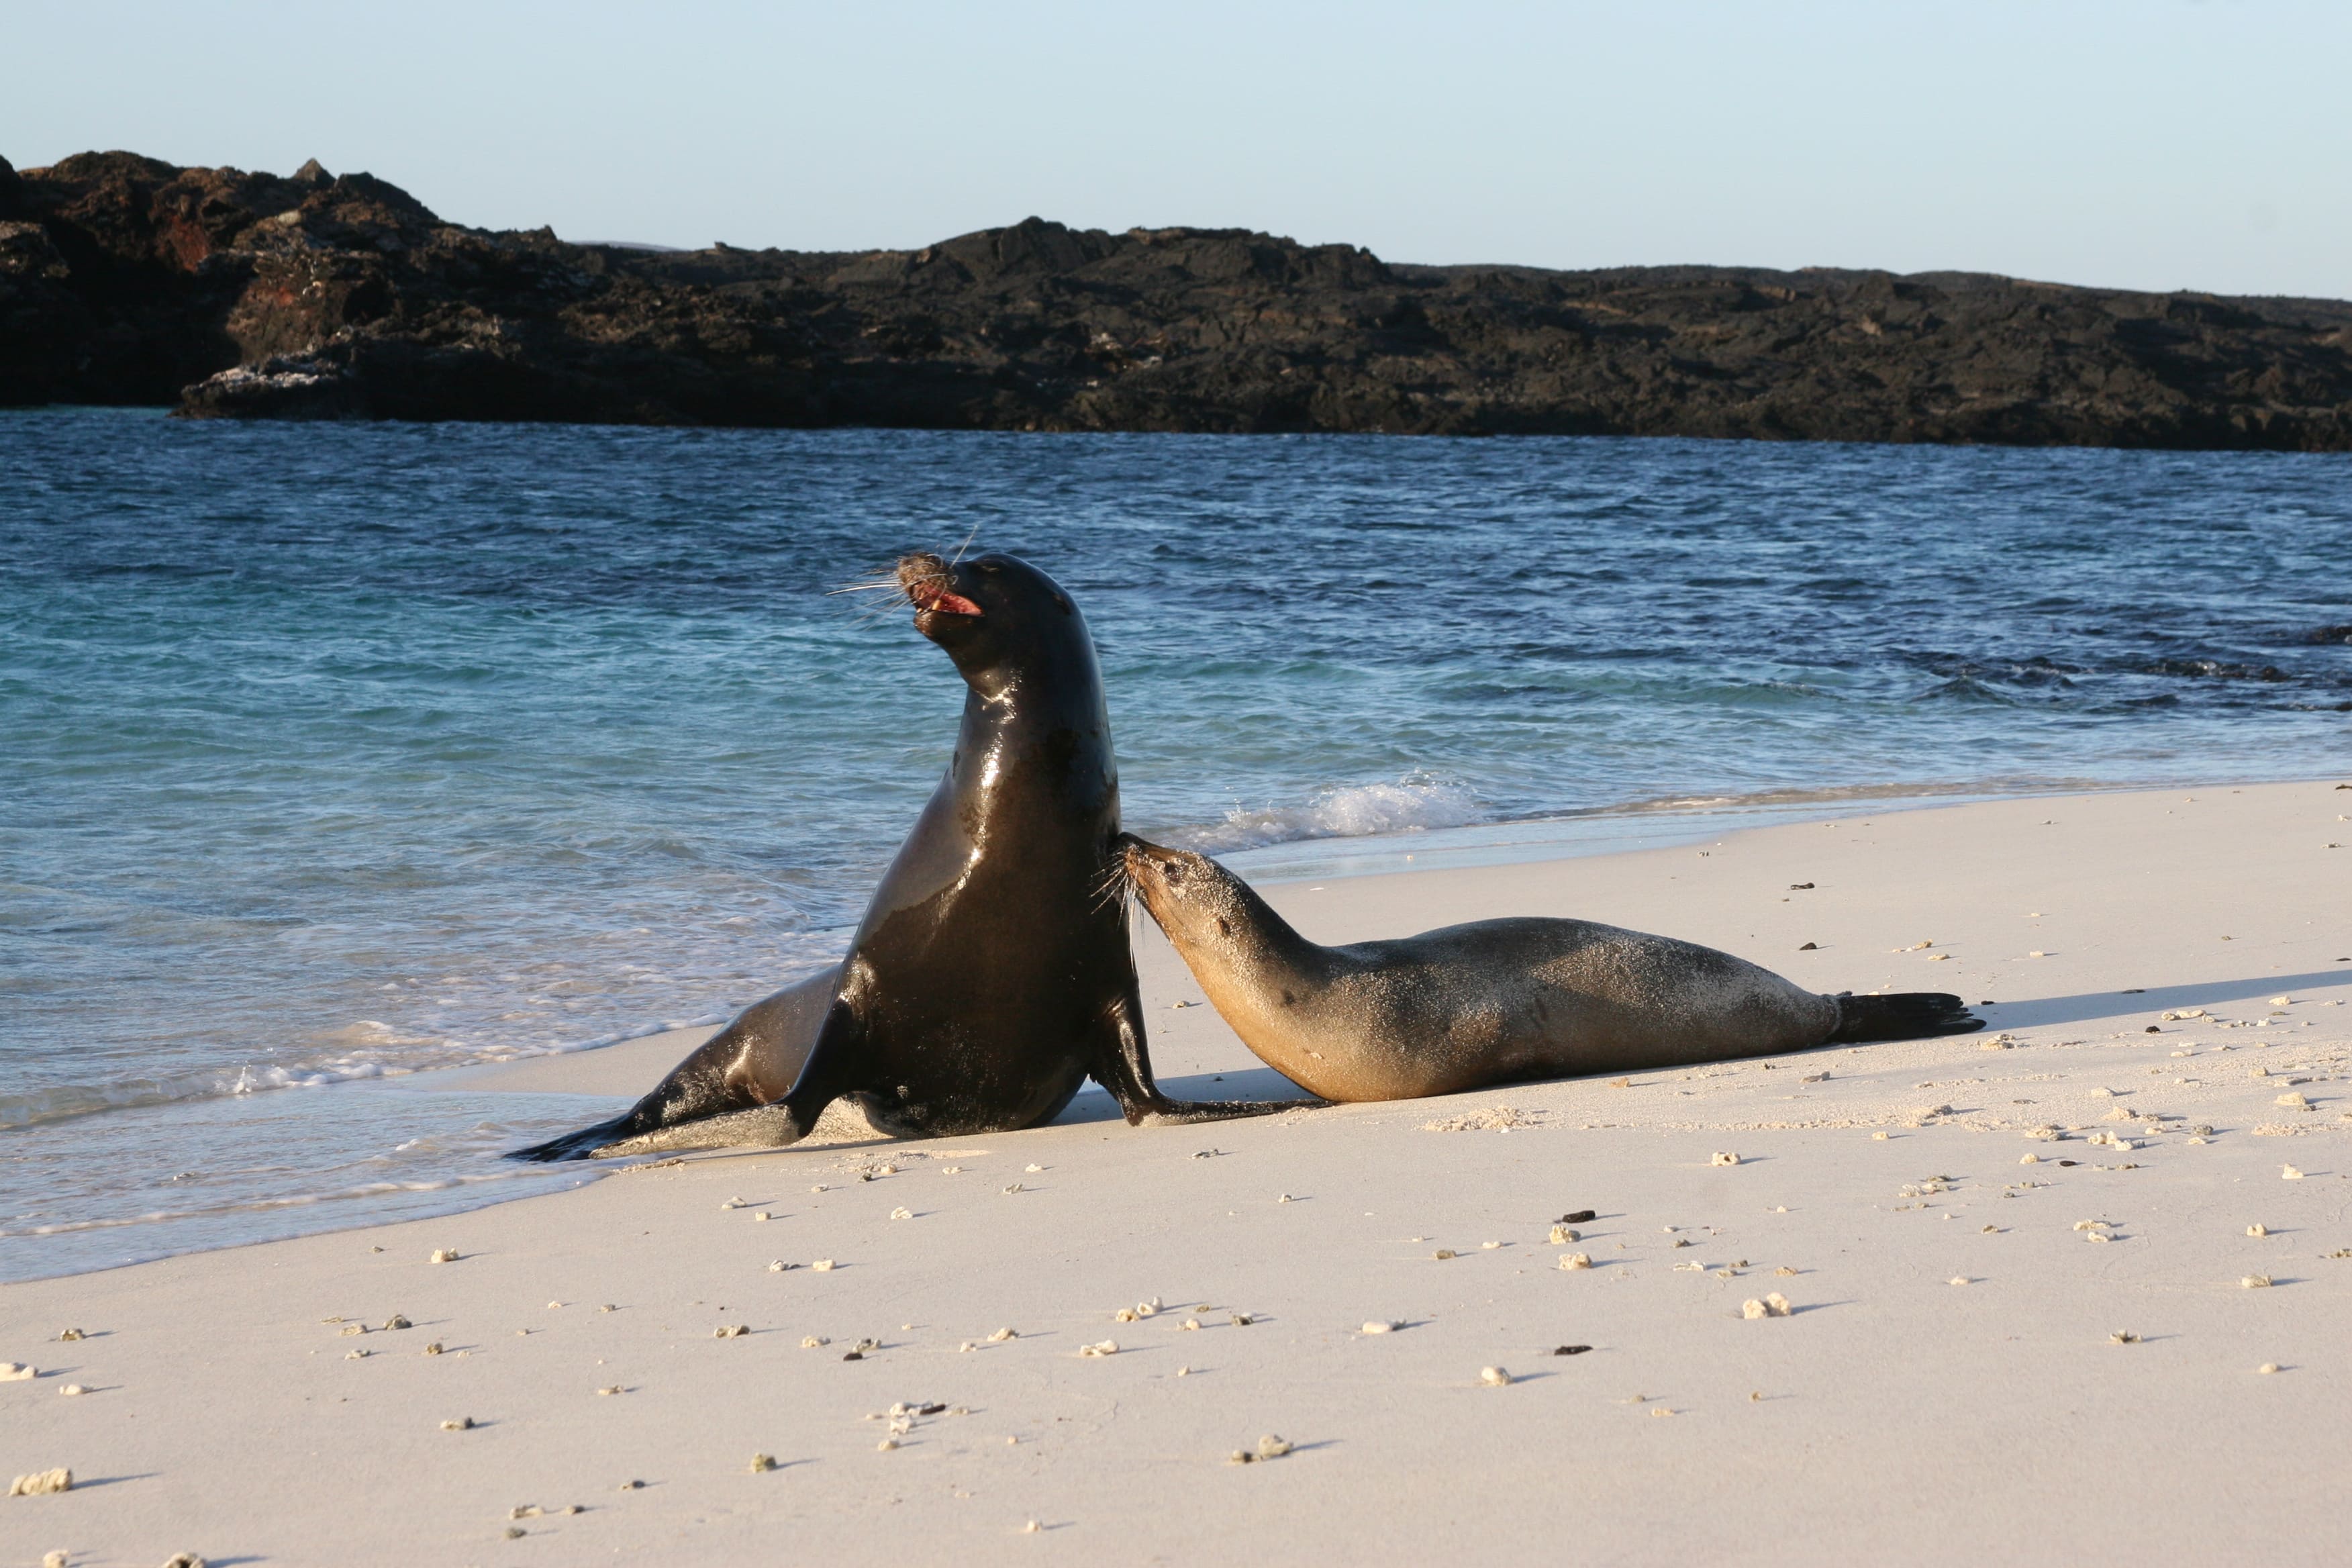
(1127, 1073)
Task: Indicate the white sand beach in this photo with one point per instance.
(2030, 1317)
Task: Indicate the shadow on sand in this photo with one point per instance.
(2090, 1005)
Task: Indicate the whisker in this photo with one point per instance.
(965, 545)
(884, 581)
(1113, 886)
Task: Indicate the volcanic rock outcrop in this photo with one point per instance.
(123, 280)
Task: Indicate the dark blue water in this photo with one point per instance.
(338, 752)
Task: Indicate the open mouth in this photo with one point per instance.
(932, 596)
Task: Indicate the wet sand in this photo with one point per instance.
(1984, 1357)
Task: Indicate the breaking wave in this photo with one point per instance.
(1411, 805)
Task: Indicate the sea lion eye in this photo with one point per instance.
(1175, 872)
(991, 567)
(1224, 926)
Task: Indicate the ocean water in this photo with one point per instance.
(333, 753)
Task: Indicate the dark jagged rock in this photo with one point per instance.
(326, 296)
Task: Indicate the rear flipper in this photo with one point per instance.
(725, 1093)
(758, 1127)
(580, 1145)
(693, 1107)
(1906, 1016)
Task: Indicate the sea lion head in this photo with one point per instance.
(1195, 901)
(986, 610)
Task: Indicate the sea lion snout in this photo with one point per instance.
(1147, 863)
(930, 583)
(1181, 888)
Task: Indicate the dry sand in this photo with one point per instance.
(1896, 1414)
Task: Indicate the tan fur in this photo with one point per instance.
(1491, 1001)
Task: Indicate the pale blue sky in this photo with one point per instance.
(2147, 143)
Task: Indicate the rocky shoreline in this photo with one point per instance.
(128, 280)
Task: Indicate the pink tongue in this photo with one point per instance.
(928, 597)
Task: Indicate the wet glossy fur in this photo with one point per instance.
(989, 977)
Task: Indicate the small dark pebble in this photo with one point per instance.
(2070, 1161)
(1581, 1216)
(2133, 990)
(860, 1356)
(1573, 1350)
(929, 1409)
(1810, 947)
(2152, 1029)
(1799, 887)
(1988, 1001)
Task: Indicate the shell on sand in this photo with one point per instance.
(42, 1481)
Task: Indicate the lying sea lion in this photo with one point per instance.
(991, 974)
(1491, 1001)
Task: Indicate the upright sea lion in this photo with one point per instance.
(991, 974)
(1491, 1001)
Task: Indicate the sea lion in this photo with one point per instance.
(1497, 1001)
(991, 974)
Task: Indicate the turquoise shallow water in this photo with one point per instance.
(337, 752)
